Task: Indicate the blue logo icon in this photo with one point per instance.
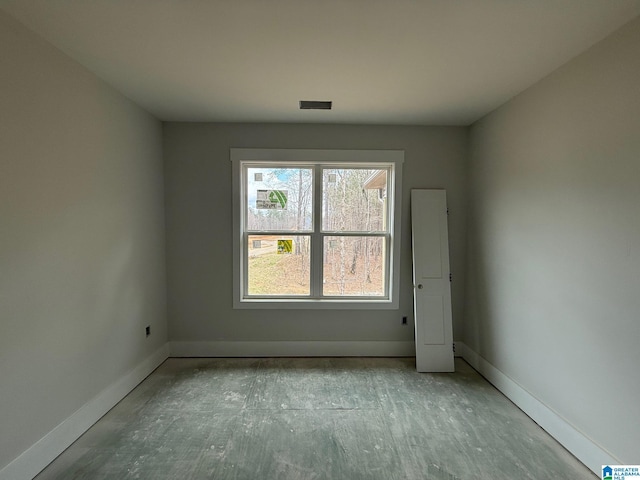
(607, 473)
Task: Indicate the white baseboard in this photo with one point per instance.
(44, 451)
(293, 349)
(581, 446)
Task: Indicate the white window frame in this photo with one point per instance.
(335, 159)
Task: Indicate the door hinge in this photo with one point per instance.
(451, 277)
(447, 211)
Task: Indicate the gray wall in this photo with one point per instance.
(554, 242)
(81, 237)
(554, 235)
(199, 228)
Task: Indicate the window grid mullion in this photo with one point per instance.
(316, 237)
(342, 233)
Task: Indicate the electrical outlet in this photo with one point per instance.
(147, 330)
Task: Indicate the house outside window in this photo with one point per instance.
(316, 228)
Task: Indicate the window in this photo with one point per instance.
(316, 228)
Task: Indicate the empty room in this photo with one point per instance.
(329, 240)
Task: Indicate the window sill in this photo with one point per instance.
(314, 304)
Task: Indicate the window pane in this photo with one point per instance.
(278, 265)
(354, 266)
(354, 200)
(279, 199)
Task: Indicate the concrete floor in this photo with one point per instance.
(314, 418)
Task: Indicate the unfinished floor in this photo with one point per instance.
(314, 418)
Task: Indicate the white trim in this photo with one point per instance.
(316, 155)
(316, 303)
(580, 445)
(33, 460)
(393, 158)
(293, 349)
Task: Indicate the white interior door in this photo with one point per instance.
(431, 282)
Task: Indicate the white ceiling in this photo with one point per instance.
(412, 62)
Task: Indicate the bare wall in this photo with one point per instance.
(81, 237)
(554, 242)
(199, 228)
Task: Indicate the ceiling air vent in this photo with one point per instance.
(314, 105)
